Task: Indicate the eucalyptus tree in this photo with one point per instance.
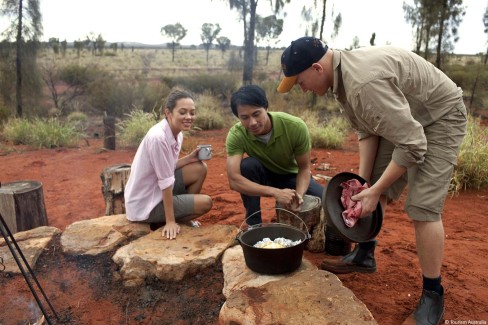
(114, 47)
(54, 44)
(223, 44)
(355, 43)
(26, 28)
(96, 44)
(436, 24)
(337, 25)
(420, 16)
(100, 44)
(208, 35)
(485, 23)
(316, 22)
(90, 43)
(64, 47)
(312, 24)
(79, 45)
(322, 19)
(247, 11)
(480, 70)
(372, 39)
(450, 17)
(176, 33)
(268, 29)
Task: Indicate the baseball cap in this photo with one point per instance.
(298, 57)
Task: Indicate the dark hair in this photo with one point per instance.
(174, 97)
(248, 95)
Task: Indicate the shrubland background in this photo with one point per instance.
(66, 98)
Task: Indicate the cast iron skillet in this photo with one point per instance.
(365, 229)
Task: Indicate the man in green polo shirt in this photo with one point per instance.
(268, 154)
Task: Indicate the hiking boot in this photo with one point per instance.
(361, 259)
(429, 311)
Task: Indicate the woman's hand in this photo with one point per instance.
(194, 154)
(170, 230)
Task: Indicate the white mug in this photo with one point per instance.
(205, 152)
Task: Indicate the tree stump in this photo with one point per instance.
(114, 179)
(109, 132)
(22, 205)
(312, 216)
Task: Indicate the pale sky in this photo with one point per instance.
(141, 21)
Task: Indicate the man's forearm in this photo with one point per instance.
(247, 187)
(367, 155)
(303, 181)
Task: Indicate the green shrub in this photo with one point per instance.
(76, 75)
(78, 120)
(5, 113)
(209, 114)
(234, 63)
(153, 97)
(330, 134)
(471, 171)
(107, 94)
(41, 133)
(18, 131)
(466, 76)
(133, 129)
(51, 133)
(221, 85)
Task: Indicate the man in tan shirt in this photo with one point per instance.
(411, 121)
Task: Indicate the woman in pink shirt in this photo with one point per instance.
(163, 188)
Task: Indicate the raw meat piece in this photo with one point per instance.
(352, 208)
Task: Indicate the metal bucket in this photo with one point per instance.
(274, 260)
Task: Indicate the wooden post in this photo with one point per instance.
(114, 179)
(311, 215)
(22, 205)
(109, 132)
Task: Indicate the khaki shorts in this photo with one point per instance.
(428, 182)
(183, 203)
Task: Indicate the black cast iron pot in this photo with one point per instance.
(272, 260)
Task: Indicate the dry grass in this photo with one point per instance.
(157, 62)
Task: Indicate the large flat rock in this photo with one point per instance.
(238, 276)
(154, 255)
(306, 296)
(31, 243)
(100, 235)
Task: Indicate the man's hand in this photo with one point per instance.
(288, 198)
(369, 200)
(170, 230)
(296, 203)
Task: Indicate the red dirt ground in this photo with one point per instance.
(83, 290)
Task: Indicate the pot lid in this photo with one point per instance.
(366, 228)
